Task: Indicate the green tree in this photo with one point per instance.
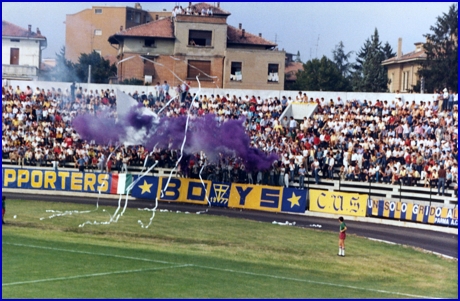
(441, 66)
(63, 71)
(388, 51)
(341, 59)
(370, 75)
(321, 75)
(101, 69)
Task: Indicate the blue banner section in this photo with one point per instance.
(294, 200)
(220, 193)
(146, 188)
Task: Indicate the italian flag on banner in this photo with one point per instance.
(120, 182)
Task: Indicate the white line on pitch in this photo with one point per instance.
(92, 275)
(315, 282)
(226, 270)
(89, 253)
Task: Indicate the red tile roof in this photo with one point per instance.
(235, 36)
(12, 30)
(162, 28)
(411, 56)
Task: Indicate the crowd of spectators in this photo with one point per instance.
(388, 141)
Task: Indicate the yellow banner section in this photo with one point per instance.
(338, 202)
(185, 190)
(266, 198)
(55, 180)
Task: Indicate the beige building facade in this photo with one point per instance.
(178, 49)
(403, 69)
(89, 29)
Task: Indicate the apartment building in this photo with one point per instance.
(89, 29)
(199, 42)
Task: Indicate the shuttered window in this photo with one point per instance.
(199, 67)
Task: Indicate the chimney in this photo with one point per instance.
(38, 31)
(121, 27)
(240, 26)
(243, 33)
(30, 28)
(399, 53)
(156, 17)
(260, 35)
(218, 4)
(190, 4)
(137, 5)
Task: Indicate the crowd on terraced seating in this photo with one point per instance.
(388, 141)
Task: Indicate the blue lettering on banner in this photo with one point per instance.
(243, 193)
(317, 201)
(172, 192)
(195, 186)
(270, 198)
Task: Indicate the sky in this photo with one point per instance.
(313, 28)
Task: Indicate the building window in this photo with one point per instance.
(15, 40)
(273, 73)
(149, 43)
(200, 38)
(236, 72)
(405, 81)
(98, 11)
(98, 32)
(203, 68)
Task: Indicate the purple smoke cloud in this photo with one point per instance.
(204, 134)
(100, 128)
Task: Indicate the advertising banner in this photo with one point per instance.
(340, 203)
(435, 215)
(56, 180)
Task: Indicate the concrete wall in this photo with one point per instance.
(238, 92)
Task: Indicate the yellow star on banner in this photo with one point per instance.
(294, 200)
(145, 187)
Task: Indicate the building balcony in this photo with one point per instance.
(19, 72)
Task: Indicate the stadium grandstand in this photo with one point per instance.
(390, 148)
